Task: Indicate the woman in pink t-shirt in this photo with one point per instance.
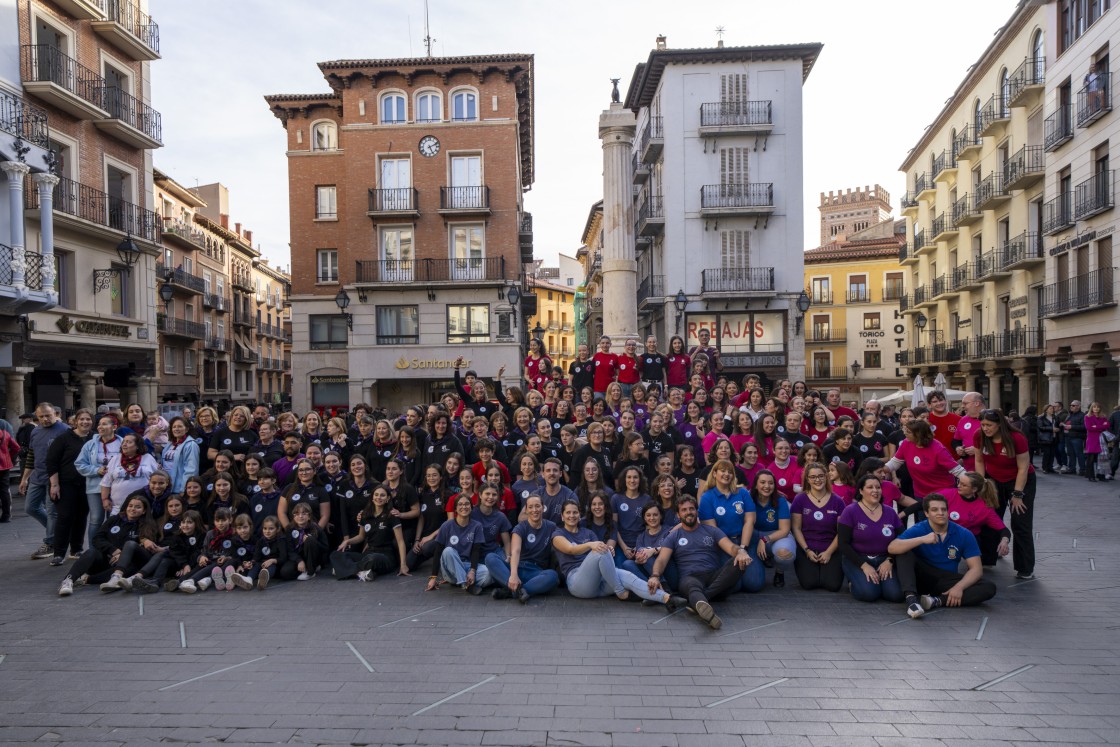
(786, 472)
(973, 505)
(931, 466)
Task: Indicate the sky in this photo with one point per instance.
(886, 70)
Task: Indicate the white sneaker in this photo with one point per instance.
(203, 583)
(126, 582)
(363, 575)
(230, 573)
(67, 588)
(219, 579)
(82, 580)
(241, 581)
(113, 584)
(188, 587)
(263, 579)
(305, 576)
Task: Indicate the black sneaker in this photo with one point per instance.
(522, 595)
(57, 560)
(474, 589)
(502, 592)
(144, 586)
(779, 579)
(930, 602)
(914, 607)
(171, 585)
(1024, 575)
(676, 603)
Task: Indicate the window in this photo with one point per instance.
(326, 203)
(733, 88)
(872, 321)
(207, 282)
(327, 266)
(429, 107)
(398, 325)
(116, 98)
(396, 254)
(733, 166)
(857, 289)
(188, 361)
(328, 332)
(468, 324)
(464, 106)
(467, 252)
(63, 278)
(735, 249)
(324, 136)
(395, 186)
(393, 109)
(168, 359)
(894, 285)
(118, 291)
(821, 291)
(872, 359)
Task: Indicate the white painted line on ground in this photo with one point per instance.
(682, 609)
(182, 635)
(909, 619)
(2, 657)
(1000, 679)
(747, 692)
(757, 627)
(360, 657)
(983, 625)
(456, 695)
(394, 622)
(220, 671)
(468, 635)
(1092, 564)
(141, 601)
(1012, 586)
(1075, 543)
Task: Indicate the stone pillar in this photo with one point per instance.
(1088, 382)
(88, 381)
(127, 396)
(16, 171)
(17, 401)
(1025, 374)
(147, 392)
(995, 385)
(46, 184)
(620, 269)
(1055, 382)
(795, 365)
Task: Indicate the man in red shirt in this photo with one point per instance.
(606, 366)
(941, 421)
(968, 429)
(629, 367)
(832, 400)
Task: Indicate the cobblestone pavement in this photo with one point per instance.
(788, 668)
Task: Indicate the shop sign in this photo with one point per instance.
(102, 329)
(1079, 240)
(330, 379)
(405, 364)
(755, 360)
(739, 333)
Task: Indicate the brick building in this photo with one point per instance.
(846, 212)
(405, 189)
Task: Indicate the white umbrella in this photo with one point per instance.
(900, 397)
(939, 383)
(918, 396)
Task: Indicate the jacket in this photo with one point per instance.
(93, 456)
(118, 530)
(273, 549)
(9, 451)
(183, 552)
(180, 462)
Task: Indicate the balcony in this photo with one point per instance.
(651, 287)
(639, 169)
(819, 296)
(964, 212)
(923, 242)
(923, 184)
(242, 318)
(185, 232)
(173, 327)
(754, 198)
(738, 280)
(242, 281)
(1024, 250)
(287, 364)
(938, 286)
(993, 115)
(130, 120)
(893, 291)
(1095, 103)
(907, 253)
(970, 278)
(943, 227)
(736, 118)
(525, 237)
(464, 200)
(990, 265)
(1093, 196)
(93, 211)
(216, 345)
(944, 166)
(1058, 128)
(825, 333)
(1025, 168)
(906, 304)
(921, 295)
(216, 302)
(990, 193)
(395, 203)
(395, 271)
(62, 81)
(241, 355)
(1016, 343)
(13, 300)
(859, 294)
(180, 278)
(1057, 214)
(830, 373)
(652, 140)
(956, 280)
(83, 10)
(129, 29)
(967, 143)
(28, 124)
(651, 217)
(1028, 82)
(909, 202)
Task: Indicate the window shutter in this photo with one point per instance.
(735, 250)
(733, 166)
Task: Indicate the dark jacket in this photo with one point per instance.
(62, 455)
(182, 552)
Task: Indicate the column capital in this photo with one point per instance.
(1084, 363)
(45, 179)
(1053, 369)
(15, 169)
(91, 374)
(17, 371)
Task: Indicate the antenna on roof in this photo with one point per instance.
(427, 31)
(719, 33)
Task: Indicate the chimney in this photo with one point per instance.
(719, 44)
(237, 228)
(248, 237)
(661, 42)
(224, 220)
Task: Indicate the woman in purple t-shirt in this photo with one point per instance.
(865, 529)
(814, 513)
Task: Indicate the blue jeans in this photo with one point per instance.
(41, 509)
(626, 389)
(754, 577)
(596, 576)
(868, 591)
(455, 570)
(1075, 451)
(670, 577)
(534, 579)
(96, 514)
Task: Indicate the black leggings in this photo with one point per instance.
(348, 564)
(415, 559)
(133, 557)
(712, 585)
(918, 577)
(72, 509)
(1022, 525)
(829, 576)
(312, 553)
(91, 562)
(158, 567)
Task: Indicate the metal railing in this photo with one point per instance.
(959, 276)
(32, 266)
(215, 301)
(967, 137)
(96, 206)
(909, 199)
(991, 188)
(962, 209)
(1025, 246)
(397, 199)
(170, 325)
(905, 302)
(240, 355)
(1030, 159)
(1031, 72)
(819, 296)
(288, 364)
(651, 286)
(464, 198)
(1092, 196)
(651, 208)
(179, 276)
(859, 295)
(1094, 100)
(185, 231)
(220, 344)
(134, 21)
(241, 317)
(43, 63)
(923, 182)
(893, 291)
(826, 333)
(920, 240)
(24, 120)
(1081, 293)
(525, 224)
(1057, 214)
(1007, 344)
(730, 280)
(431, 270)
(995, 110)
(652, 131)
(938, 286)
(133, 112)
(756, 194)
(1058, 127)
(944, 160)
(830, 373)
(940, 225)
(736, 113)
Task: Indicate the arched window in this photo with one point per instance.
(393, 110)
(429, 107)
(464, 106)
(324, 136)
(977, 120)
(1038, 52)
(1004, 94)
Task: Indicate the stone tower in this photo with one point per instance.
(845, 213)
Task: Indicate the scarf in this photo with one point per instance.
(131, 465)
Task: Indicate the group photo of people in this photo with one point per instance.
(644, 475)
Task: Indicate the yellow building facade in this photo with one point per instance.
(556, 317)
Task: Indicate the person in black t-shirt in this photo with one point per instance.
(652, 363)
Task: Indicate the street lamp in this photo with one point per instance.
(165, 294)
(538, 330)
(855, 368)
(342, 300)
(920, 322)
(513, 295)
(681, 301)
(128, 252)
(803, 304)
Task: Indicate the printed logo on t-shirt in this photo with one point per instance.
(167, 526)
(349, 493)
(836, 459)
(624, 506)
(682, 541)
(454, 540)
(532, 538)
(256, 488)
(328, 487)
(367, 527)
(227, 442)
(259, 507)
(955, 515)
(192, 541)
(932, 428)
(210, 486)
(386, 454)
(115, 530)
(708, 541)
(295, 533)
(967, 426)
(818, 515)
(241, 551)
(952, 552)
(266, 551)
(917, 460)
(227, 544)
(863, 448)
(771, 515)
(887, 531)
(720, 510)
(782, 481)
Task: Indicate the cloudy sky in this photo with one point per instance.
(878, 83)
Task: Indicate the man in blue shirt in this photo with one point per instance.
(928, 557)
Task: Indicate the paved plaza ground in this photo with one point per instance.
(788, 668)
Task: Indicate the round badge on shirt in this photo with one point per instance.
(349, 493)
(532, 538)
(266, 551)
(887, 531)
(328, 487)
(256, 488)
(682, 541)
(227, 442)
(192, 541)
(782, 481)
(210, 486)
(454, 540)
(227, 544)
(917, 460)
(115, 530)
(368, 527)
(955, 515)
(295, 533)
(721, 510)
(259, 507)
(863, 448)
(818, 515)
(241, 551)
(295, 497)
(167, 527)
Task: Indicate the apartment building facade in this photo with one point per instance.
(408, 230)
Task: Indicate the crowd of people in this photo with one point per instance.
(642, 475)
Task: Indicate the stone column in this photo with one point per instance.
(147, 392)
(127, 396)
(46, 184)
(1088, 382)
(17, 402)
(620, 269)
(88, 380)
(1055, 382)
(995, 385)
(16, 171)
(795, 365)
(1025, 373)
